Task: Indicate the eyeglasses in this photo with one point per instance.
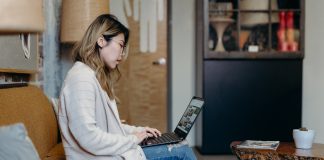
(122, 46)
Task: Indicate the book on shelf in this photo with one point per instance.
(256, 144)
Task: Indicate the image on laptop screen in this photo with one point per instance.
(190, 115)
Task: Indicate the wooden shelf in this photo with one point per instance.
(286, 10)
(241, 22)
(10, 70)
(253, 55)
(238, 10)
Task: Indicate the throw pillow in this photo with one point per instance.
(15, 143)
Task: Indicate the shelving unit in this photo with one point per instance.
(242, 23)
(253, 88)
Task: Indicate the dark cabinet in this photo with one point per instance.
(252, 90)
(258, 100)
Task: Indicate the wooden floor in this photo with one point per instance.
(214, 157)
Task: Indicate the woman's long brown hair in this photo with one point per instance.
(87, 50)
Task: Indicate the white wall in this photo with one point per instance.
(313, 71)
(182, 59)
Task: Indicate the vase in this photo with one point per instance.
(303, 139)
(220, 24)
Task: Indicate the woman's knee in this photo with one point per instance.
(183, 151)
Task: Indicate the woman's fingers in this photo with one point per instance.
(157, 131)
(149, 135)
(148, 132)
(153, 131)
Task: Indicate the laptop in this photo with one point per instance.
(182, 130)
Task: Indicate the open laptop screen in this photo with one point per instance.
(188, 118)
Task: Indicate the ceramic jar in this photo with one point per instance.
(303, 138)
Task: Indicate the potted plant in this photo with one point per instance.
(303, 138)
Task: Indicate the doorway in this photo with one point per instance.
(143, 87)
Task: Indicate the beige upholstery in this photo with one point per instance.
(30, 106)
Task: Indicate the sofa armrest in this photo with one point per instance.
(56, 153)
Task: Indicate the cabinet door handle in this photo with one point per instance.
(160, 62)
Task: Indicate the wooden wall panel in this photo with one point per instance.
(143, 87)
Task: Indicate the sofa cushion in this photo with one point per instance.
(56, 153)
(31, 107)
(15, 143)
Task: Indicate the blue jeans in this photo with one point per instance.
(170, 152)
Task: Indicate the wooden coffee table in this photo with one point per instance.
(286, 151)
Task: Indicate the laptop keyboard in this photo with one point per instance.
(165, 138)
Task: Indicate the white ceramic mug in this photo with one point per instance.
(303, 139)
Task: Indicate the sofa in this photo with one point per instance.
(28, 105)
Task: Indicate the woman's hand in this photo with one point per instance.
(146, 133)
(152, 132)
(141, 136)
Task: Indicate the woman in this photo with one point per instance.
(88, 115)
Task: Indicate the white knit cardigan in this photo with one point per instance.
(89, 121)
